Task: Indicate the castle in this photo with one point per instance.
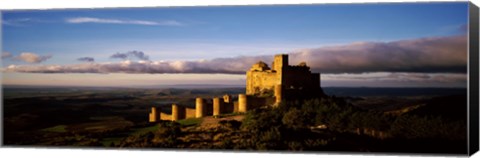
(265, 87)
(284, 81)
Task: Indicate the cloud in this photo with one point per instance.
(437, 54)
(139, 55)
(395, 79)
(79, 20)
(399, 76)
(135, 67)
(6, 55)
(32, 57)
(16, 22)
(425, 55)
(119, 56)
(136, 54)
(86, 59)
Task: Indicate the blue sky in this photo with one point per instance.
(196, 33)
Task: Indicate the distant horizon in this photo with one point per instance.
(193, 86)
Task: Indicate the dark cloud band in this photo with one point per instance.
(439, 54)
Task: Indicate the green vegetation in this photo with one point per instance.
(58, 128)
(94, 112)
(228, 115)
(190, 121)
(428, 127)
(327, 124)
(104, 118)
(272, 129)
(106, 142)
(166, 136)
(141, 131)
(118, 119)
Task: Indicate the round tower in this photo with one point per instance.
(153, 115)
(242, 103)
(217, 106)
(199, 107)
(175, 112)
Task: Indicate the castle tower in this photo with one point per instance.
(242, 103)
(175, 112)
(278, 94)
(279, 62)
(152, 117)
(217, 106)
(199, 107)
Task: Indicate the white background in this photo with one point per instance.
(98, 153)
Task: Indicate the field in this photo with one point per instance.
(117, 117)
(105, 115)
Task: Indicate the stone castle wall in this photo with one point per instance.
(256, 102)
(154, 115)
(177, 113)
(190, 113)
(217, 106)
(165, 116)
(258, 81)
(300, 79)
(283, 81)
(265, 86)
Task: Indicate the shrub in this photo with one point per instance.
(231, 124)
(428, 127)
(296, 119)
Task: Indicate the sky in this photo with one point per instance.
(355, 45)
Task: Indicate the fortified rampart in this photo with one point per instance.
(218, 106)
(265, 86)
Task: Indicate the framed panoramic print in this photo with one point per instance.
(366, 78)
